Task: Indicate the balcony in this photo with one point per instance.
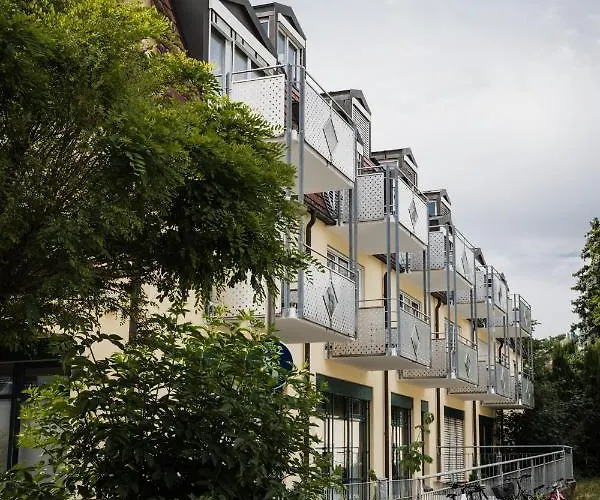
(521, 318)
(329, 144)
(321, 309)
(389, 337)
(453, 364)
(494, 381)
(441, 266)
(520, 395)
(386, 206)
(491, 298)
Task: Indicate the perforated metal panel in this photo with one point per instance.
(500, 292)
(524, 315)
(526, 392)
(370, 197)
(371, 335)
(240, 298)
(413, 339)
(465, 259)
(480, 387)
(323, 123)
(464, 297)
(364, 129)
(502, 380)
(439, 363)
(412, 211)
(265, 96)
(466, 362)
(437, 253)
(329, 300)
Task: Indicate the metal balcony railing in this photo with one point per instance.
(444, 249)
(453, 362)
(321, 309)
(390, 335)
(489, 289)
(302, 114)
(385, 197)
(498, 467)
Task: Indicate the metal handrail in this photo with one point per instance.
(406, 307)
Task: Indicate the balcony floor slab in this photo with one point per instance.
(319, 173)
(381, 362)
(300, 331)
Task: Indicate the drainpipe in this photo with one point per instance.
(438, 401)
(386, 422)
(308, 240)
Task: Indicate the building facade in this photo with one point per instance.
(405, 317)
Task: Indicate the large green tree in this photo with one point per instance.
(184, 412)
(587, 304)
(121, 164)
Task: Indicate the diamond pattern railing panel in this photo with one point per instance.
(439, 362)
(466, 362)
(412, 211)
(502, 380)
(329, 301)
(524, 315)
(413, 340)
(328, 133)
(371, 335)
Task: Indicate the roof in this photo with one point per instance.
(395, 154)
(285, 10)
(356, 94)
(259, 32)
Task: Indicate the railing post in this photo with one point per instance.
(228, 80)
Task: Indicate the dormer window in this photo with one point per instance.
(432, 208)
(264, 24)
(288, 52)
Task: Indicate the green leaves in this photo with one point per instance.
(184, 412)
(122, 165)
(587, 304)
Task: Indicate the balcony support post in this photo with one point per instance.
(354, 231)
(491, 357)
(448, 327)
(388, 260)
(399, 297)
(288, 158)
(301, 140)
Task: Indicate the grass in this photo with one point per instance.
(587, 489)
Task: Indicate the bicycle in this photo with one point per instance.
(556, 492)
(523, 494)
(469, 490)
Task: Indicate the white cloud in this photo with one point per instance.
(498, 101)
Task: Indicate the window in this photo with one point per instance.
(14, 378)
(240, 63)
(217, 52)
(288, 52)
(453, 450)
(401, 426)
(432, 208)
(410, 304)
(344, 433)
(340, 263)
(264, 24)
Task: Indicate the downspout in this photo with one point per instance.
(308, 240)
(438, 401)
(386, 422)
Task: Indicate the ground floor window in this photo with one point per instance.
(401, 436)
(345, 428)
(345, 436)
(15, 377)
(453, 447)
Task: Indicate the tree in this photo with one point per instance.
(184, 412)
(120, 165)
(587, 304)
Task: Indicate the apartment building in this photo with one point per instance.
(405, 317)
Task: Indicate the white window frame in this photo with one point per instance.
(333, 262)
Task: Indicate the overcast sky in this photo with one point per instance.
(499, 102)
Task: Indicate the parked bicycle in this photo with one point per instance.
(557, 491)
(472, 491)
(507, 491)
